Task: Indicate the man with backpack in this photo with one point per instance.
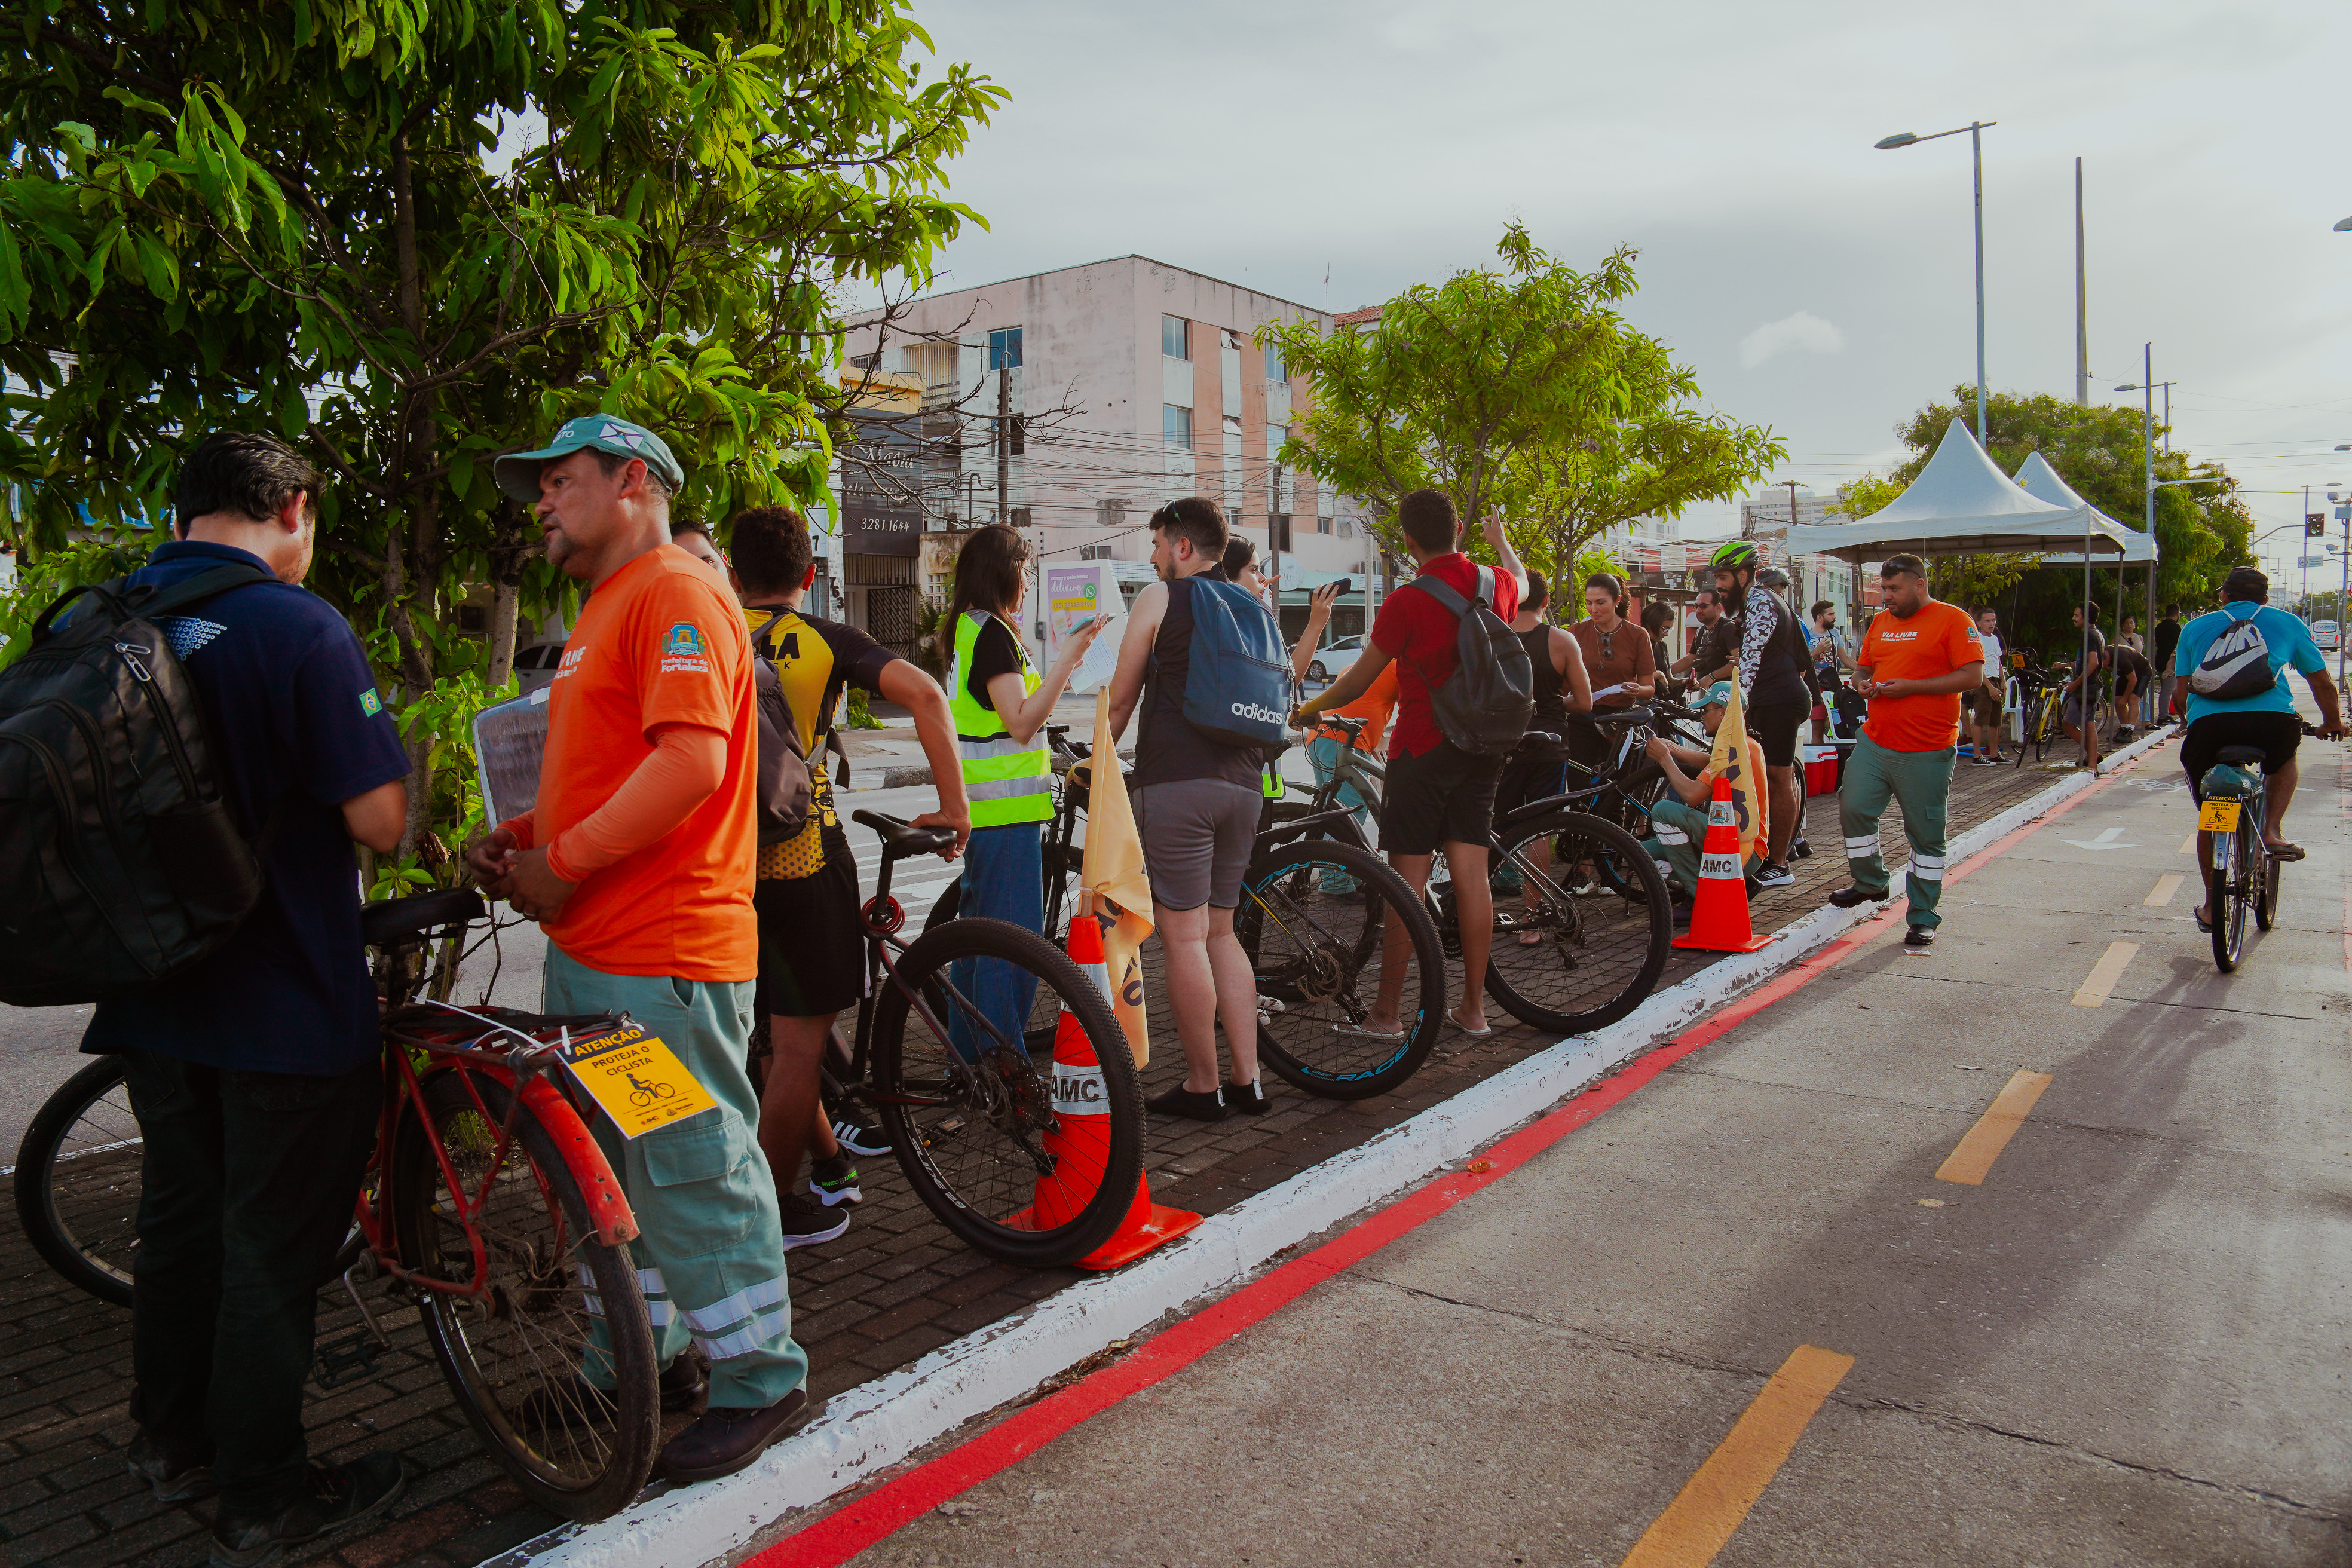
(1201, 658)
(1456, 721)
(637, 859)
(2234, 661)
(255, 1074)
(812, 941)
(1773, 667)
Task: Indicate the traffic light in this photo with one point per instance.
(2314, 523)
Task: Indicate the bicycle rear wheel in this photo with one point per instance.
(513, 1354)
(2225, 897)
(1598, 956)
(1314, 918)
(1027, 1161)
(2266, 891)
(78, 1182)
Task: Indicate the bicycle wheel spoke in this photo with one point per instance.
(1590, 949)
(1317, 939)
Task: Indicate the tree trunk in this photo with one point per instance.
(506, 598)
(508, 557)
(419, 582)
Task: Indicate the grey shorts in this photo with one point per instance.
(1197, 834)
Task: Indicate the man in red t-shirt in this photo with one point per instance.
(1437, 793)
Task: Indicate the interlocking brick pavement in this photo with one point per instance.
(895, 1288)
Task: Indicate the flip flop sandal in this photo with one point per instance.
(2285, 851)
(2203, 925)
(1474, 1034)
(1531, 938)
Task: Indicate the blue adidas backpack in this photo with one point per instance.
(1237, 685)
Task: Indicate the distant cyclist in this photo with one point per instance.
(1773, 661)
(2267, 719)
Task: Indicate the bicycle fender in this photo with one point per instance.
(608, 1206)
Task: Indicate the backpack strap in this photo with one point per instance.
(186, 595)
(1443, 592)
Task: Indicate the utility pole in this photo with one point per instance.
(1003, 446)
(1273, 547)
(2148, 440)
(1976, 154)
(2081, 323)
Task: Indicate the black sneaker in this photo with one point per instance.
(338, 1497)
(1209, 1106)
(808, 1224)
(1770, 875)
(1247, 1099)
(1850, 897)
(834, 1181)
(857, 1137)
(1917, 937)
(170, 1478)
(1801, 850)
(723, 1441)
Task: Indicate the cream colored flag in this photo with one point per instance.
(1113, 874)
(1729, 760)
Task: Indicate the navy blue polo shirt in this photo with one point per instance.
(293, 716)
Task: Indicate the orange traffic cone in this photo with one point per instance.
(1081, 1144)
(1720, 914)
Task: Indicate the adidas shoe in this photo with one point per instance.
(834, 1181)
(857, 1137)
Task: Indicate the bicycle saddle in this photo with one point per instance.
(2241, 755)
(900, 839)
(388, 921)
(1538, 738)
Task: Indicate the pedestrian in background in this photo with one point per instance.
(1657, 619)
(1534, 771)
(1698, 669)
(1833, 648)
(2168, 642)
(1985, 703)
(1618, 662)
(1197, 802)
(1774, 670)
(2079, 715)
(636, 859)
(1919, 658)
(256, 1074)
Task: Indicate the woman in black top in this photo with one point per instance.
(1561, 687)
(1657, 616)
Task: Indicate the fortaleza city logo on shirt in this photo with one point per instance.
(370, 703)
(682, 649)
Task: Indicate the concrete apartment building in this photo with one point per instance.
(1072, 403)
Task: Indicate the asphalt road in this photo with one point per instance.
(2125, 1343)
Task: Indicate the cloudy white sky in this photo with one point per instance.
(1817, 285)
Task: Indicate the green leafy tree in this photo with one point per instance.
(1522, 388)
(221, 213)
(2201, 531)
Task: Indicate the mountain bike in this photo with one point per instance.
(487, 1203)
(2041, 700)
(1314, 911)
(2240, 875)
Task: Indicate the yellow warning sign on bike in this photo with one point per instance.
(2220, 815)
(638, 1079)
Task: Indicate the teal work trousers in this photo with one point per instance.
(710, 1248)
(1678, 831)
(1921, 783)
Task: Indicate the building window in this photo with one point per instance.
(866, 361)
(1228, 338)
(1004, 349)
(1175, 337)
(1322, 525)
(1274, 371)
(1095, 553)
(1176, 426)
(1276, 435)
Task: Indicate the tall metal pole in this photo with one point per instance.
(1976, 152)
(2302, 561)
(2148, 440)
(2343, 594)
(2082, 321)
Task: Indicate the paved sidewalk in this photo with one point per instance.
(892, 1290)
(2116, 1340)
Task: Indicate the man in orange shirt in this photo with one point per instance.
(637, 859)
(1917, 659)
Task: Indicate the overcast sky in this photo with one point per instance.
(1816, 285)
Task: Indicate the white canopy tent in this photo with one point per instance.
(2038, 478)
(1962, 504)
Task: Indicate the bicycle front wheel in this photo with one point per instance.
(1315, 919)
(78, 1182)
(1022, 1155)
(551, 1301)
(1595, 956)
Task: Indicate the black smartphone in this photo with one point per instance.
(1346, 586)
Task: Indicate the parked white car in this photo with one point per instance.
(1333, 657)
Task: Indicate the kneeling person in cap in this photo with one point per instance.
(1678, 827)
(638, 860)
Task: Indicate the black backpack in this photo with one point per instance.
(123, 863)
(784, 789)
(1485, 709)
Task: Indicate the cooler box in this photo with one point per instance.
(1821, 765)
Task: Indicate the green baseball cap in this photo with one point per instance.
(518, 472)
(1718, 696)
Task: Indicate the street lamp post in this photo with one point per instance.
(2148, 447)
(1974, 128)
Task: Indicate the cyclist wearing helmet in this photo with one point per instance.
(1771, 668)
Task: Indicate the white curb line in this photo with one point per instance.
(877, 1424)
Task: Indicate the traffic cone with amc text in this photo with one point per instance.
(1080, 1145)
(1719, 920)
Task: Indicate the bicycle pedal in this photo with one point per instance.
(337, 1362)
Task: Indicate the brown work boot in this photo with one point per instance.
(724, 1440)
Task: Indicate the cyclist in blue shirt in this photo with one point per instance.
(255, 1076)
(2267, 720)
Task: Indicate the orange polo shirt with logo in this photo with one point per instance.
(1935, 641)
(661, 641)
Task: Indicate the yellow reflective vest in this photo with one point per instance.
(1008, 781)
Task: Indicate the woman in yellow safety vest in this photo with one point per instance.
(1000, 706)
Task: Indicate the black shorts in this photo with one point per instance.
(812, 944)
(2278, 734)
(1443, 796)
(1530, 774)
(1774, 726)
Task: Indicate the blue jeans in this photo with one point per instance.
(1323, 754)
(1004, 879)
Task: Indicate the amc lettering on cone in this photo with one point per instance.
(1720, 914)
